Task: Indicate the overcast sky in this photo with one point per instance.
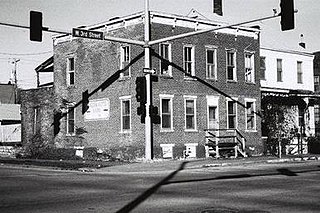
(66, 14)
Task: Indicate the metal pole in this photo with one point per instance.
(147, 65)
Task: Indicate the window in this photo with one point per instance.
(211, 59)
(188, 60)
(70, 71)
(301, 116)
(71, 120)
(190, 113)
(125, 115)
(250, 115)
(166, 112)
(299, 72)
(263, 68)
(249, 67)
(316, 114)
(125, 59)
(279, 70)
(316, 83)
(231, 68)
(232, 114)
(165, 52)
(36, 120)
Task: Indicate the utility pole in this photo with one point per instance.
(147, 65)
(15, 79)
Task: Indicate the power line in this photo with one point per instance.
(22, 54)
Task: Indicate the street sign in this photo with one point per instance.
(87, 34)
(149, 71)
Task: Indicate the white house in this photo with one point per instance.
(287, 80)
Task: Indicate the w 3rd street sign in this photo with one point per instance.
(87, 34)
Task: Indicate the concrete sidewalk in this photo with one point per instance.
(171, 165)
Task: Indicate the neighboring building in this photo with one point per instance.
(222, 94)
(316, 69)
(287, 80)
(37, 108)
(10, 119)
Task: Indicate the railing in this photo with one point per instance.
(225, 142)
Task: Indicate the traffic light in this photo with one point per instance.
(141, 90)
(35, 26)
(154, 114)
(141, 110)
(56, 122)
(85, 101)
(287, 15)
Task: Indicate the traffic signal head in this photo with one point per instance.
(141, 90)
(35, 26)
(85, 101)
(287, 15)
(154, 114)
(56, 122)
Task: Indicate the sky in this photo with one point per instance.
(63, 15)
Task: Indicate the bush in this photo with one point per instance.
(314, 145)
(58, 154)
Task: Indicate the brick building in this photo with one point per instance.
(218, 98)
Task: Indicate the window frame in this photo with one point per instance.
(252, 115)
(168, 57)
(192, 60)
(125, 57)
(234, 100)
(249, 71)
(263, 68)
(170, 98)
(71, 109)
(279, 70)
(71, 72)
(122, 101)
(299, 72)
(194, 99)
(234, 66)
(316, 83)
(214, 64)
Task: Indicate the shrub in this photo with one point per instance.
(314, 145)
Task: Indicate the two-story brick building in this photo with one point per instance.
(211, 88)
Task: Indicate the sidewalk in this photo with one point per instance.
(171, 165)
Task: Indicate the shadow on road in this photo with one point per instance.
(281, 171)
(150, 191)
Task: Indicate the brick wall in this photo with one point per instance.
(37, 107)
(95, 61)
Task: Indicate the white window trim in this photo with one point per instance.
(165, 96)
(235, 65)
(125, 98)
(69, 71)
(253, 100)
(169, 58)
(233, 99)
(301, 71)
(122, 60)
(71, 105)
(252, 57)
(194, 98)
(193, 70)
(214, 48)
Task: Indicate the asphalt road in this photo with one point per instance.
(285, 187)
